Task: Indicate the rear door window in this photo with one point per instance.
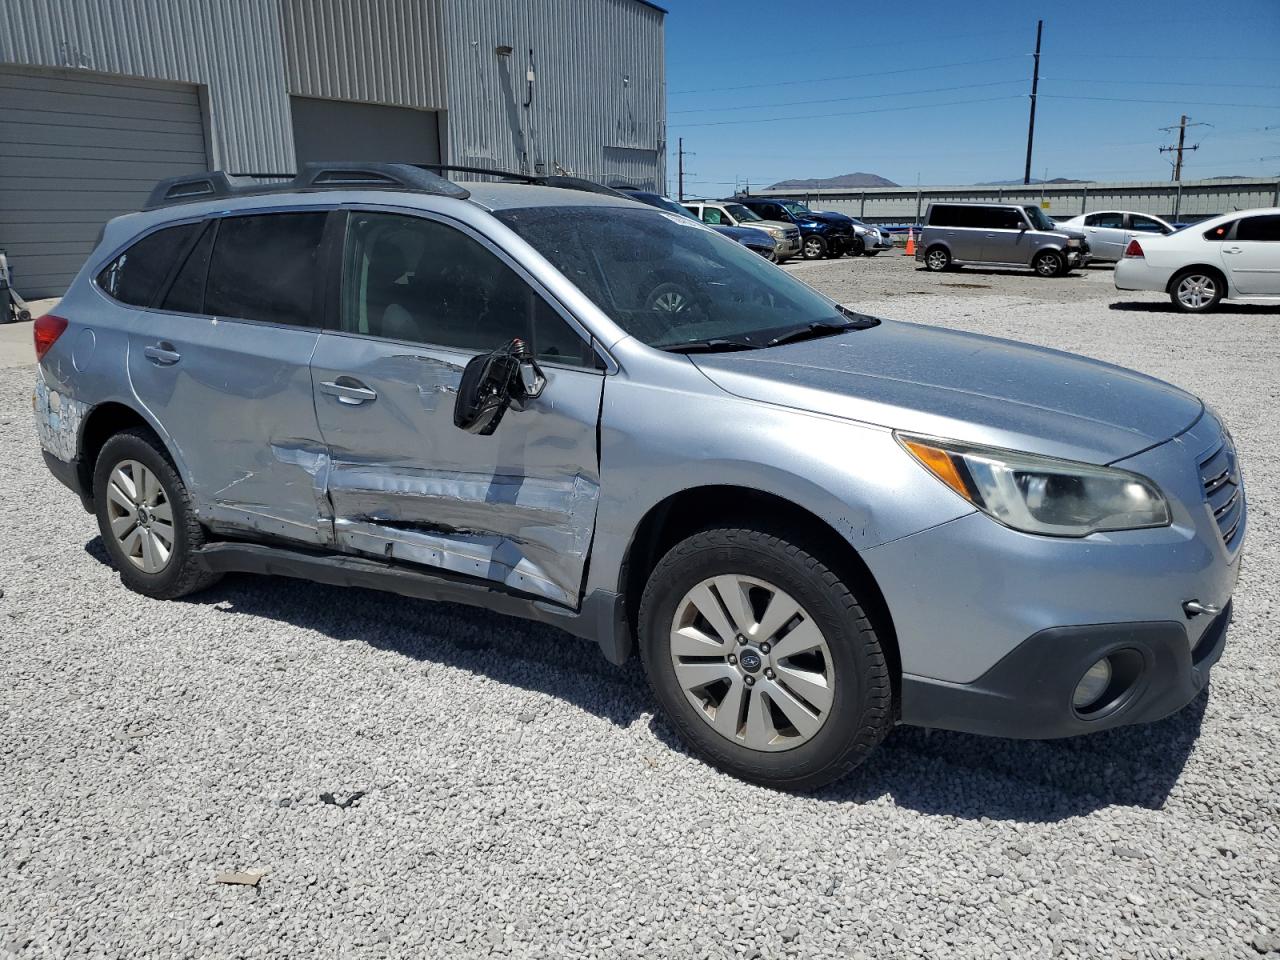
(1145, 224)
(1265, 229)
(264, 268)
(135, 277)
(1110, 221)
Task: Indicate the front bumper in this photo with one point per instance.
(1027, 695)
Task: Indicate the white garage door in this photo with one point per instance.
(77, 149)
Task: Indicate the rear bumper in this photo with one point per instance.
(1134, 273)
(69, 475)
(1027, 695)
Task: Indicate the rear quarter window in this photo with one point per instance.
(135, 277)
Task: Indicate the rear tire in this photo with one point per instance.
(146, 518)
(1197, 290)
(789, 703)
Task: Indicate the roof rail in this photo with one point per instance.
(312, 176)
(539, 179)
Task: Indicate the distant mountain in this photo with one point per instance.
(1018, 183)
(834, 183)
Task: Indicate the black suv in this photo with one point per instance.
(821, 234)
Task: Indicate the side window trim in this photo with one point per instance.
(606, 365)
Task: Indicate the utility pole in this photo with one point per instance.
(1035, 84)
(1181, 127)
(680, 171)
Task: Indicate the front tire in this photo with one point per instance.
(1196, 291)
(937, 259)
(763, 660)
(146, 518)
(815, 248)
(1049, 263)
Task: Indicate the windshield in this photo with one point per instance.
(741, 213)
(1039, 219)
(669, 282)
(796, 208)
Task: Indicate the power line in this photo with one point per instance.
(848, 113)
(848, 76)
(1232, 58)
(1166, 83)
(865, 96)
(1186, 103)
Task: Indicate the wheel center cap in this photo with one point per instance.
(750, 660)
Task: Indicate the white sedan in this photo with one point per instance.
(1234, 256)
(1109, 231)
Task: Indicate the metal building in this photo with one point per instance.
(101, 98)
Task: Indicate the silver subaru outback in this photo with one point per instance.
(552, 401)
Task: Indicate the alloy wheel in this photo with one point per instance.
(140, 515)
(937, 260)
(752, 662)
(813, 248)
(1196, 291)
(1047, 265)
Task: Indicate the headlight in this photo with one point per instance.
(776, 232)
(1058, 498)
(1073, 242)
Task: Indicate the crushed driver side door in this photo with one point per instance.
(419, 297)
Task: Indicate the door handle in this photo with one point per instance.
(162, 354)
(349, 390)
(1232, 250)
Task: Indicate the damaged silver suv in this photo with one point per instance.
(547, 399)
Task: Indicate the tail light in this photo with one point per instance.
(46, 330)
(1134, 249)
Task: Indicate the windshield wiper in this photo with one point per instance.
(711, 345)
(825, 328)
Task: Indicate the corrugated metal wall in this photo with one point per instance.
(597, 105)
(1192, 199)
(229, 47)
(376, 51)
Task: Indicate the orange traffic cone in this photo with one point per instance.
(911, 242)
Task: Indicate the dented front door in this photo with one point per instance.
(517, 507)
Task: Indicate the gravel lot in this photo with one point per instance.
(519, 797)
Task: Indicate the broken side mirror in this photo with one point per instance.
(492, 382)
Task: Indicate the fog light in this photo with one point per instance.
(1092, 685)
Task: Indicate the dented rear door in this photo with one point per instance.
(419, 298)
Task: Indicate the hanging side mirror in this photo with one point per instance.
(492, 382)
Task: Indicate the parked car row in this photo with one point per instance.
(1232, 256)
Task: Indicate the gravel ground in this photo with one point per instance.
(520, 799)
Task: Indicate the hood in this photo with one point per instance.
(835, 219)
(743, 233)
(1073, 232)
(964, 386)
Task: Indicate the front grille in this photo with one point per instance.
(1220, 474)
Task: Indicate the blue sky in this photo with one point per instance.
(971, 63)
